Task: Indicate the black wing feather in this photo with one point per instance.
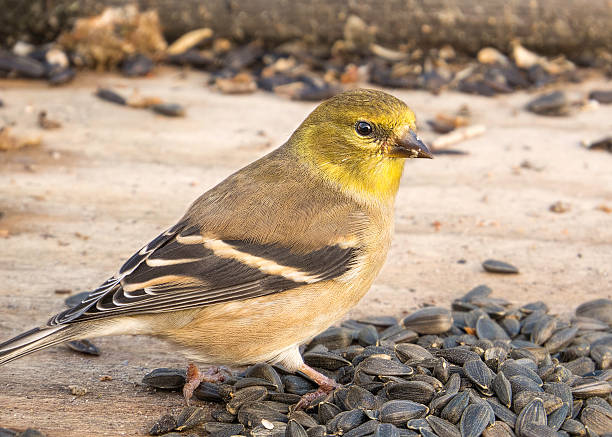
(196, 276)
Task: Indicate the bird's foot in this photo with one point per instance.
(326, 386)
(195, 377)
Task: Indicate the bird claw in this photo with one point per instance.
(195, 378)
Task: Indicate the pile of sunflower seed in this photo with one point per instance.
(483, 368)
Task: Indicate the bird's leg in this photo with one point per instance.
(195, 377)
(326, 386)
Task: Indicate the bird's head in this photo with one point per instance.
(360, 140)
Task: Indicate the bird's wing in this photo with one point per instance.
(183, 268)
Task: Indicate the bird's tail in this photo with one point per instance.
(34, 340)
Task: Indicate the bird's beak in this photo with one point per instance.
(410, 146)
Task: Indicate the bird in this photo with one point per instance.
(268, 258)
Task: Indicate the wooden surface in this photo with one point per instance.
(547, 26)
(113, 177)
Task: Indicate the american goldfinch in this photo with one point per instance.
(268, 258)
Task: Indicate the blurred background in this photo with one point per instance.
(115, 116)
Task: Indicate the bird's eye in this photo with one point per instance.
(363, 128)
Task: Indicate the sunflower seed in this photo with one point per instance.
(600, 309)
(386, 430)
(478, 372)
(297, 385)
(267, 372)
(416, 391)
(399, 411)
(431, 320)
(511, 368)
(408, 352)
(502, 413)
(382, 367)
(325, 360)
(246, 396)
(328, 411)
(84, 346)
(488, 329)
(474, 420)
(190, 417)
(163, 425)
(596, 419)
(368, 336)
(223, 429)
(589, 389)
(167, 379)
(223, 416)
(317, 431)
(532, 414)
(454, 408)
(521, 383)
(495, 266)
(557, 417)
(346, 421)
(573, 427)
(294, 429)
(498, 429)
(442, 427)
(333, 338)
(502, 389)
(252, 414)
(457, 355)
(543, 330)
(550, 401)
(560, 339)
(357, 397)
